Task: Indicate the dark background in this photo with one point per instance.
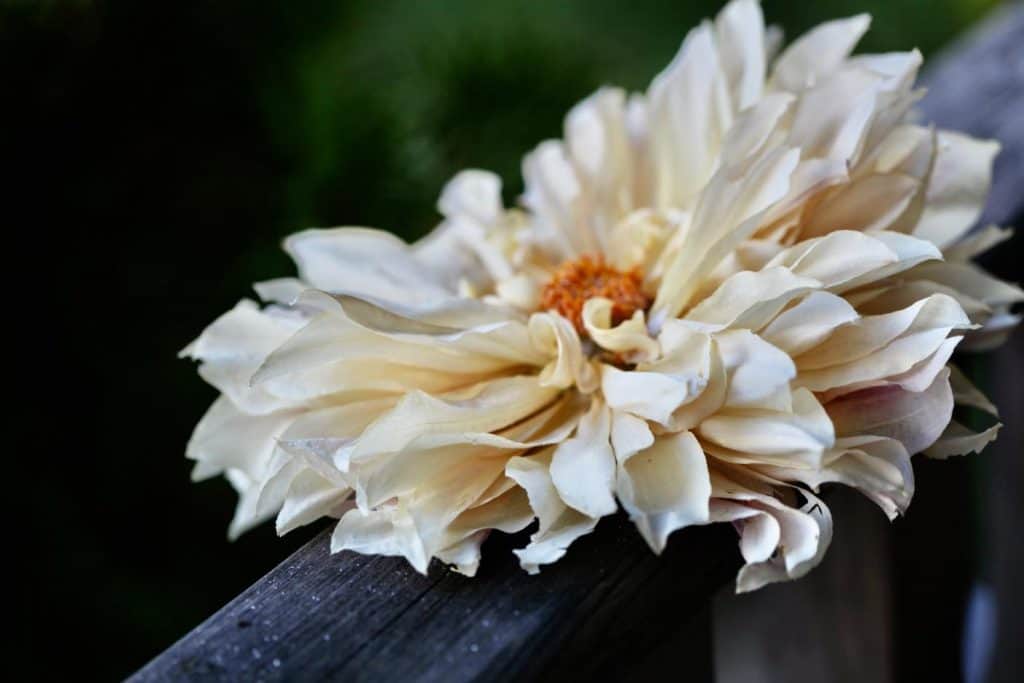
(161, 151)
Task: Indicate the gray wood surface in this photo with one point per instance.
(610, 607)
(837, 624)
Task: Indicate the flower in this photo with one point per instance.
(718, 295)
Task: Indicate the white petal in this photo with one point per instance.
(794, 439)
(311, 497)
(232, 348)
(381, 532)
(756, 369)
(228, 439)
(363, 262)
(472, 194)
(486, 407)
(740, 32)
(688, 115)
(808, 323)
(818, 52)
(559, 526)
(750, 299)
(583, 468)
(958, 187)
(630, 434)
(665, 487)
(727, 213)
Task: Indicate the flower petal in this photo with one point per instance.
(915, 419)
(559, 524)
(665, 487)
(583, 468)
(818, 52)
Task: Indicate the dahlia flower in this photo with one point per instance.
(715, 297)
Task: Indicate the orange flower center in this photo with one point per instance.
(589, 276)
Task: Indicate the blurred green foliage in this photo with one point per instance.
(177, 143)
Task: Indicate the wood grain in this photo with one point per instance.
(610, 607)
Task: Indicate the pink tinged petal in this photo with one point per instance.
(818, 52)
(666, 487)
(805, 536)
(777, 541)
(583, 468)
(915, 419)
(878, 467)
(759, 532)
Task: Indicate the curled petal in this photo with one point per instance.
(629, 337)
(555, 336)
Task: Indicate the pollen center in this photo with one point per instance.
(587, 277)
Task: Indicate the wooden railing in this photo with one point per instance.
(610, 607)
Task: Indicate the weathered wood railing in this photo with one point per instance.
(610, 607)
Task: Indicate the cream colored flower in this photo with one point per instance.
(719, 295)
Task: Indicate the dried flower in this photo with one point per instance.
(720, 295)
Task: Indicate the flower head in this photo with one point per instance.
(718, 295)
